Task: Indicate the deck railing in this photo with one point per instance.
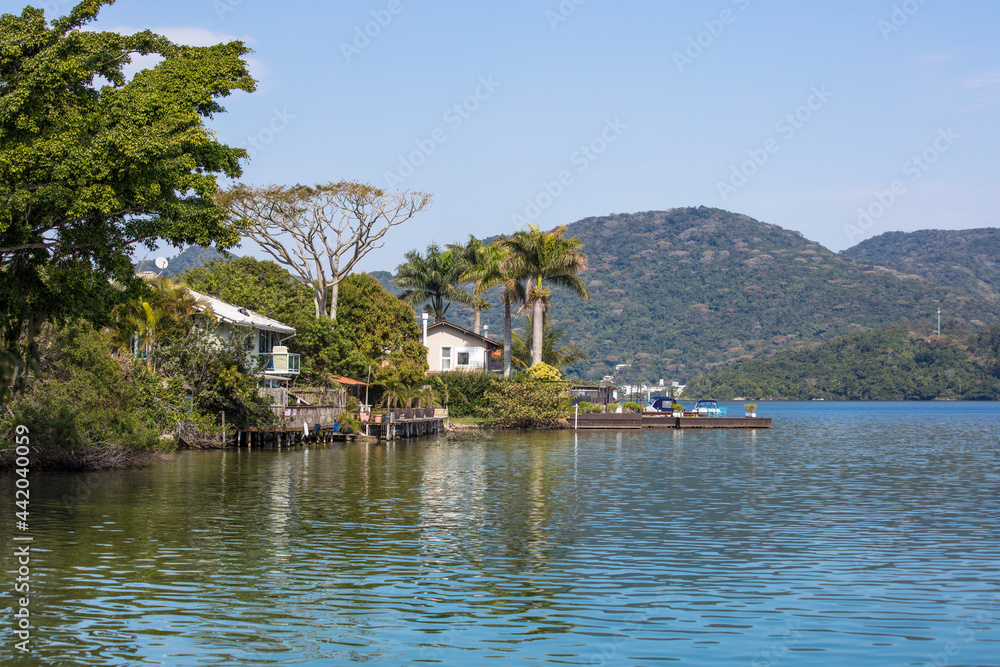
(288, 363)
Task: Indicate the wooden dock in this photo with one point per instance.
(278, 436)
(404, 428)
(642, 420)
(284, 436)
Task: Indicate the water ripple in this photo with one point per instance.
(857, 533)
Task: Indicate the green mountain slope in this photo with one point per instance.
(889, 364)
(678, 293)
(190, 258)
(967, 260)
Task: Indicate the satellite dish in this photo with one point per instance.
(161, 263)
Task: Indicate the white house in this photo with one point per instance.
(452, 348)
(279, 365)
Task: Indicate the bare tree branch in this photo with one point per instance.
(320, 232)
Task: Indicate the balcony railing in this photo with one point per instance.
(286, 363)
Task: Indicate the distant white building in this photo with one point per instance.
(452, 348)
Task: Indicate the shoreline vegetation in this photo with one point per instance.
(92, 458)
(109, 369)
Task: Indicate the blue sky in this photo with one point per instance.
(805, 115)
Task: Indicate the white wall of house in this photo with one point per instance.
(451, 350)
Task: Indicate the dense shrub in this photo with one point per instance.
(523, 402)
(84, 397)
(219, 376)
(464, 393)
(95, 406)
(631, 406)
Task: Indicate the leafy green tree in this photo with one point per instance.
(255, 284)
(220, 375)
(376, 322)
(537, 256)
(94, 163)
(138, 327)
(85, 398)
(434, 278)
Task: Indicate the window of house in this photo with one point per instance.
(265, 342)
(446, 358)
(462, 358)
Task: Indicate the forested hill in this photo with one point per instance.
(967, 260)
(190, 258)
(889, 364)
(677, 293)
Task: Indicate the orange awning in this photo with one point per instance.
(343, 380)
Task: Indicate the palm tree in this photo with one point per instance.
(407, 394)
(391, 385)
(493, 272)
(553, 354)
(434, 278)
(180, 305)
(170, 309)
(474, 256)
(139, 327)
(537, 256)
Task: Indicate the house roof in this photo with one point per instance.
(472, 334)
(241, 317)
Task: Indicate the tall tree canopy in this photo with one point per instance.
(320, 232)
(435, 278)
(537, 256)
(475, 258)
(93, 163)
(491, 270)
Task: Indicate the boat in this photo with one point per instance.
(707, 407)
(661, 404)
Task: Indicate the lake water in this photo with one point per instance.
(850, 533)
